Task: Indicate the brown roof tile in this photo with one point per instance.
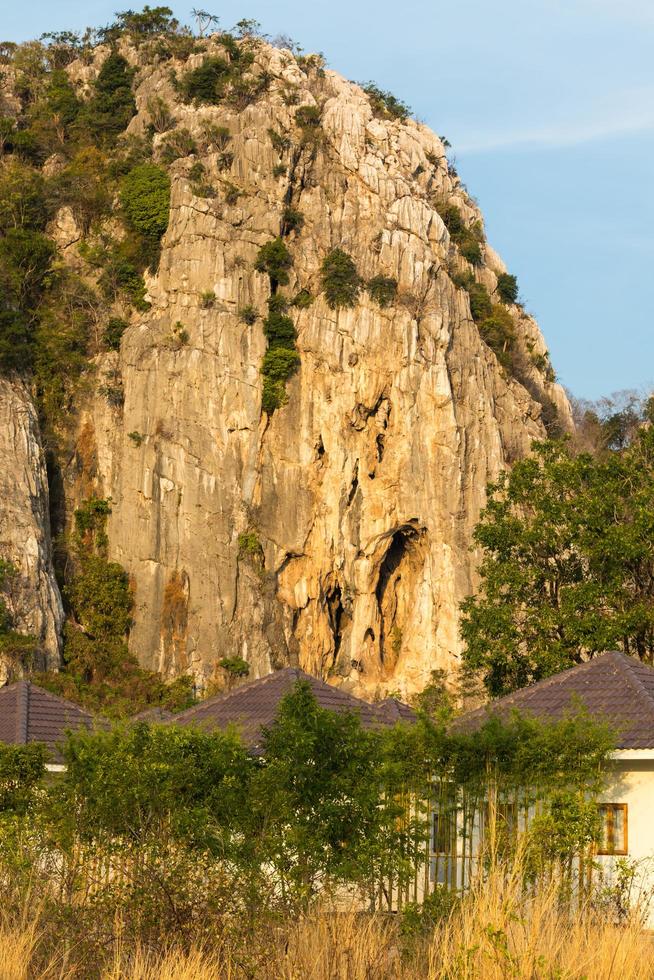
(254, 705)
(30, 714)
(612, 687)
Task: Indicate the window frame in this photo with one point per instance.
(607, 814)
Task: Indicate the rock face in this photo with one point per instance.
(364, 488)
(336, 533)
(32, 596)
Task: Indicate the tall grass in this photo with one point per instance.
(500, 928)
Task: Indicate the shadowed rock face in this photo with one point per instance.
(364, 488)
(32, 597)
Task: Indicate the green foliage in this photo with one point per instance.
(306, 117)
(279, 363)
(112, 104)
(280, 170)
(480, 301)
(467, 239)
(147, 23)
(341, 282)
(568, 564)
(248, 314)
(99, 671)
(235, 666)
(175, 145)
(25, 261)
(207, 83)
(292, 220)
(279, 142)
(114, 331)
(22, 768)
(498, 331)
(384, 104)
(382, 289)
(232, 193)
(249, 547)
(275, 259)
(145, 198)
(507, 288)
(207, 299)
(302, 299)
(218, 79)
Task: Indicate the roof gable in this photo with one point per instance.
(30, 714)
(612, 687)
(254, 706)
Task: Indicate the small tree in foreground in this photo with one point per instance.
(568, 564)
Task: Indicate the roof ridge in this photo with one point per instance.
(630, 663)
(224, 695)
(28, 686)
(554, 680)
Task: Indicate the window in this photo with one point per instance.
(444, 832)
(613, 828)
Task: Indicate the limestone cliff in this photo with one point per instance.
(31, 596)
(364, 488)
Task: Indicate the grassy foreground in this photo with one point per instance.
(495, 932)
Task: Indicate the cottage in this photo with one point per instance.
(30, 714)
(619, 690)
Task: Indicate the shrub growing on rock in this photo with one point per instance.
(382, 289)
(507, 288)
(384, 104)
(275, 259)
(112, 105)
(341, 282)
(145, 197)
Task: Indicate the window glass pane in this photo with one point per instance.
(619, 841)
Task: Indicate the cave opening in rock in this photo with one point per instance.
(335, 612)
(400, 574)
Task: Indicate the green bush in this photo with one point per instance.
(114, 331)
(507, 288)
(275, 259)
(207, 84)
(145, 198)
(384, 104)
(249, 547)
(307, 117)
(112, 105)
(302, 299)
(235, 666)
(292, 220)
(248, 314)
(279, 363)
(498, 331)
(279, 329)
(176, 145)
(207, 299)
(341, 282)
(382, 289)
(480, 301)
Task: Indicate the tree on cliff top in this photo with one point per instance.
(568, 564)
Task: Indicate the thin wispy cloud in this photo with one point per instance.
(632, 113)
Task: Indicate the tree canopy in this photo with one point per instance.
(567, 566)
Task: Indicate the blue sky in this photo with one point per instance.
(549, 106)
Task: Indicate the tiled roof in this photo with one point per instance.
(254, 705)
(391, 711)
(30, 714)
(612, 687)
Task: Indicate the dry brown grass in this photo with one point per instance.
(495, 933)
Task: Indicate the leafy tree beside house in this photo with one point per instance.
(568, 564)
